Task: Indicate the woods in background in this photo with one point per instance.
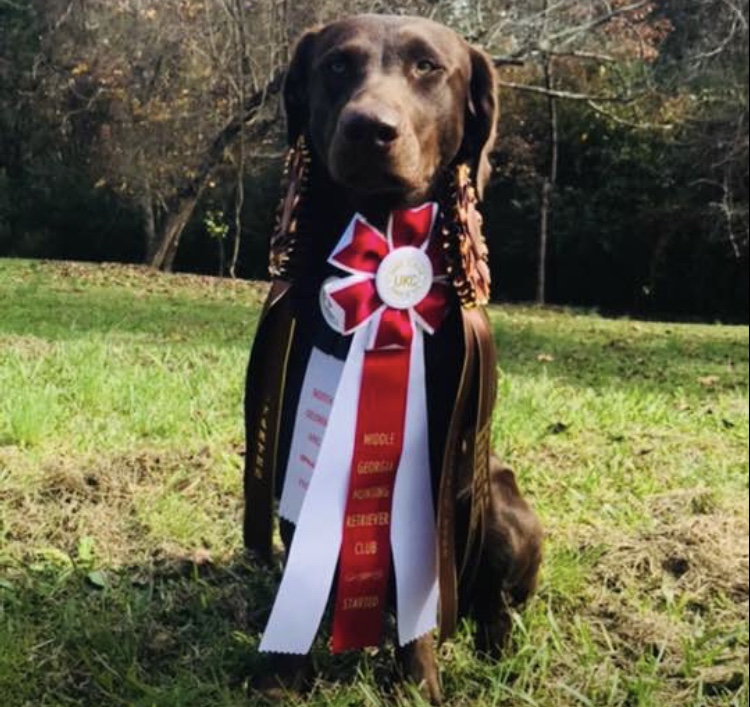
(151, 131)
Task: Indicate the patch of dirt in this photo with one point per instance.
(26, 345)
(146, 281)
(697, 547)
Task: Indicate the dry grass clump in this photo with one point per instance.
(683, 583)
(127, 505)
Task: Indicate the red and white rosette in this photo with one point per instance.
(396, 286)
(370, 496)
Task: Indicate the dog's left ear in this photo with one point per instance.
(296, 87)
(482, 114)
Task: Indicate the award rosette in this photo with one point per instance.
(358, 485)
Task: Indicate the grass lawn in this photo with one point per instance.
(121, 575)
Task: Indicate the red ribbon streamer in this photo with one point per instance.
(365, 561)
(365, 567)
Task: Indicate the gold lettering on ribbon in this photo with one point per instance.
(368, 520)
(361, 603)
(376, 493)
(380, 439)
(376, 467)
(362, 577)
(369, 549)
(259, 461)
(406, 282)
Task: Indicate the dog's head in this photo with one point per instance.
(389, 102)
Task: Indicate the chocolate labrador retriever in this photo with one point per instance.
(389, 108)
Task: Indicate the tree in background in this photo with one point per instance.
(18, 49)
(624, 136)
(160, 94)
(650, 97)
(706, 62)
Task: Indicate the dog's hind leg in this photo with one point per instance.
(509, 565)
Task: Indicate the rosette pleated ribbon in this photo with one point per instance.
(368, 504)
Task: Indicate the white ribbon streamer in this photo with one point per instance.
(413, 531)
(313, 417)
(308, 578)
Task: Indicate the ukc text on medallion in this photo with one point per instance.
(405, 278)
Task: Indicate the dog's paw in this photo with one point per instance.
(286, 677)
(493, 635)
(419, 665)
(432, 691)
(271, 696)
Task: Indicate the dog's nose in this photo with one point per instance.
(379, 127)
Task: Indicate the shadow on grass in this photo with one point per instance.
(70, 316)
(655, 360)
(175, 635)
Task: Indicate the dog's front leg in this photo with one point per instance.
(419, 664)
(286, 674)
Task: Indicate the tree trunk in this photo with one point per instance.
(541, 280)
(550, 182)
(240, 197)
(149, 219)
(238, 207)
(222, 257)
(183, 204)
(170, 240)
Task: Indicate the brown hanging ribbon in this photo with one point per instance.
(446, 521)
(471, 423)
(269, 362)
(266, 383)
(479, 442)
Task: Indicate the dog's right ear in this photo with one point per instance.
(482, 116)
(296, 88)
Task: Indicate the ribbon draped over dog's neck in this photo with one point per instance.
(369, 498)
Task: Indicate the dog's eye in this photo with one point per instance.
(338, 67)
(426, 66)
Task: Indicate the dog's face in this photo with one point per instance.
(388, 102)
